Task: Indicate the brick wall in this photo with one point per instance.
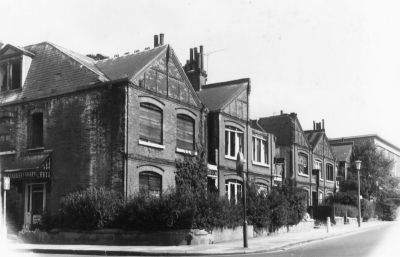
(160, 160)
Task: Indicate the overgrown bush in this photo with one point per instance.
(93, 208)
(386, 209)
(343, 210)
(367, 209)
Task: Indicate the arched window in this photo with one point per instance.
(185, 132)
(262, 188)
(150, 183)
(151, 122)
(303, 164)
(233, 141)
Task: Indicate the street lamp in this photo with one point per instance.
(239, 168)
(358, 166)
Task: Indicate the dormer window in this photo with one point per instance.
(10, 74)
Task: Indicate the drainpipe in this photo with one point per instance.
(126, 141)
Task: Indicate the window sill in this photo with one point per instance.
(329, 181)
(8, 152)
(149, 144)
(303, 175)
(184, 151)
(41, 148)
(260, 164)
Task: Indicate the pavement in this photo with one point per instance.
(255, 245)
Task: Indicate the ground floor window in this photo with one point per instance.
(150, 183)
(262, 188)
(233, 190)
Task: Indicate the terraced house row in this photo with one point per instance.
(69, 121)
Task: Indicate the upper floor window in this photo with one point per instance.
(10, 74)
(260, 150)
(150, 124)
(318, 166)
(150, 183)
(233, 141)
(329, 172)
(185, 132)
(233, 190)
(36, 130)
(303, 164)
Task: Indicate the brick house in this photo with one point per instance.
(301, 152)
(68, 122)
(324, 161)
(230, 131)
(342, 152)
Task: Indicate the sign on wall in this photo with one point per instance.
(6, 184)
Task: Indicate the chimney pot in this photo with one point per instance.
(155, 40)
(201, 58)
(191, 55)
(161, 39)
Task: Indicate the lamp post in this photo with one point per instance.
(239, 168)
(358, 166)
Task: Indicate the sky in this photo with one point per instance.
(333, 60)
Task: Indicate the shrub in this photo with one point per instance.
(386, 209)
(342, 210)
(93, 208)
(171, 211)
(367, 209)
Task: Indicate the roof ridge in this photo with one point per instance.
(71, 54)
(225, 83)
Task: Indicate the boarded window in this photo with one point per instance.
(185, 132)
(36, 130)
(150, 183)
(150, 123)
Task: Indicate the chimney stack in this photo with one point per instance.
(155, 40)
(323, 124)
(161, 39)
(281, 112)
(194, 68)
(313, 124)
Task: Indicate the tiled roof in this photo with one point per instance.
(128, 66)
(281, 126)
(313, 136)
(216, 96)
(52, 72)
(55, 70)
(342, 152)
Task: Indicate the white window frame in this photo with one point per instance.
(264, 160)
(236, 184)
(298, 158)
(319, 163)
(237, 132)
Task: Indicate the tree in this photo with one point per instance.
(374, 172)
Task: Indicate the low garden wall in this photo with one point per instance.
(120, 237)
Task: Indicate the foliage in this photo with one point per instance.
(374, 172)
(367, 209)
(386, 209)
(93, 208)
(343, 210)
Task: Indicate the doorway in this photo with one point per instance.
(35, 203)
